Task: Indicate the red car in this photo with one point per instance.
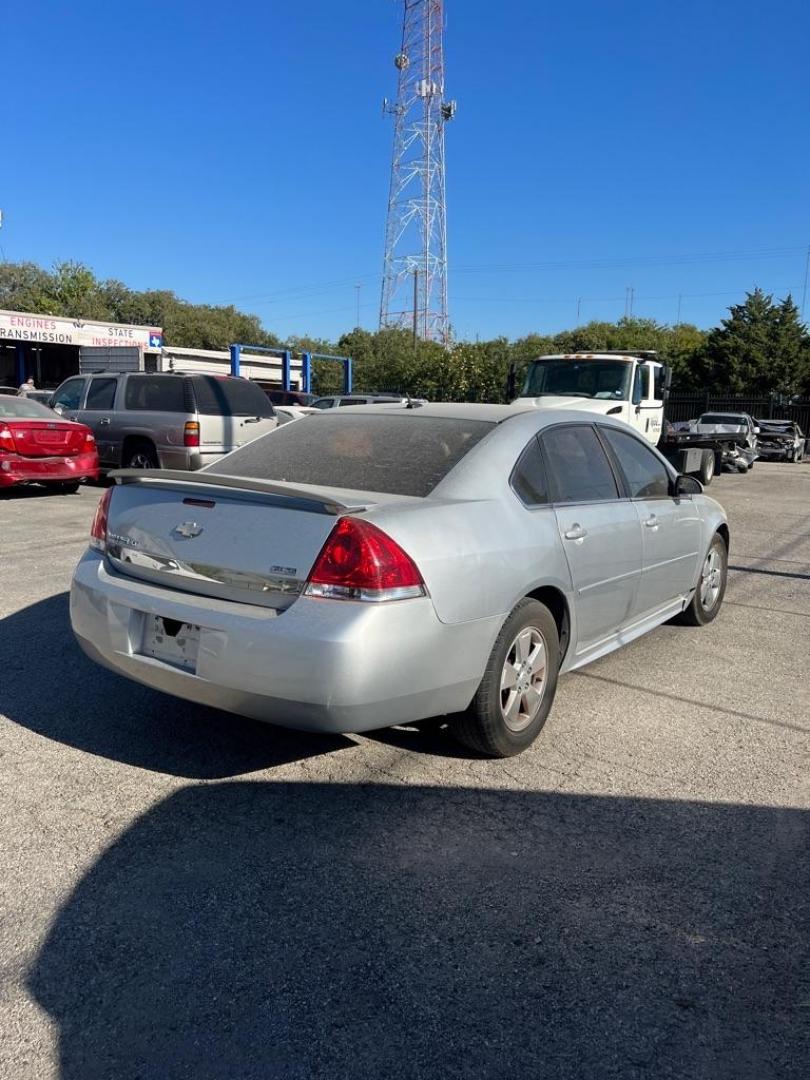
(38, 447)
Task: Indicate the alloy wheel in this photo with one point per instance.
(711, 579)
(523, 679)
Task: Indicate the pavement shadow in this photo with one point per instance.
(48, 685)
(275, 930)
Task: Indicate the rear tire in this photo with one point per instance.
(141, 455)
(68, 487)
(706, 473)
(518, 687)
(711, 588)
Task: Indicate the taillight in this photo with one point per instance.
(7, 443)
(90, 437)
(191, 433)
(360, 562)
(98, 530)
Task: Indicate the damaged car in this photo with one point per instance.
(742, 452)
(780, 440)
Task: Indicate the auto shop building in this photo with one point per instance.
(50, 348)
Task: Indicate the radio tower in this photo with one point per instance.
(414, 288)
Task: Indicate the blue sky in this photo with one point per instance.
(237, 152)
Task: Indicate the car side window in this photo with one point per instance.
(646, 475)
(156, 393)
(322, 403)
(578, 465)
(528, 477)
(101, 394)
(69, 394)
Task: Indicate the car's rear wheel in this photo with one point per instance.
(518, 687)
(141, 455)
(711, 587)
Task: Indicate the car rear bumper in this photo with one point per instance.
(15, 469)
(321, 665)
(188, 460)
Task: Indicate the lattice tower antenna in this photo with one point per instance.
(414, 287)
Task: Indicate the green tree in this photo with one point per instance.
(762, 347)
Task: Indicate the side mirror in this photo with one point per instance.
(688, 485)
(57, 408)
(756, 431)
(637, 392)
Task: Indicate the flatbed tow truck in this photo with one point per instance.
(632, 385)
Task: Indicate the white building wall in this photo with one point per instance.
(218, 362)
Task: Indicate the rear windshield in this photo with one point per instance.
(399, 455)
(23, 408)
(723, 418)
(223, 396)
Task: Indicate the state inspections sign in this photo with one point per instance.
(55, 330)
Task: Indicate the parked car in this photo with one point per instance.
(9, 390)
(36, 447)
(358, 399)
(780, 439)
(42, 396)
(169, 421)
(741, 454)
(286, 397)
(369, 567)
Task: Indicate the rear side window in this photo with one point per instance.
(229, 397)
(645, 474)
(157, 393)
(529, 476)
(398, 455)
(101, 394)
(578, 465)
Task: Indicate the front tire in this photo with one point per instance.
(518, 687)
(711, 587)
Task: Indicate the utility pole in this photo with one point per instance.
(678, 320)
(806, 273)
(629, 293)
(579, 305)
(358, 288)
(416, 224)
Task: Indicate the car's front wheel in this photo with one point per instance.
(711, 588)
(518, 687)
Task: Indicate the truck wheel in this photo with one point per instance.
(518, 687)
(706, 473)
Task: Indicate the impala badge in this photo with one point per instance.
(188, 529)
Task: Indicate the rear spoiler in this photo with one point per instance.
(275, 492)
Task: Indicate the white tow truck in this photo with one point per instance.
(633, 386)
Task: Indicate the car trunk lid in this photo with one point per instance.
(246, 540)
(46, 438)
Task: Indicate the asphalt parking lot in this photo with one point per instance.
(186, 894)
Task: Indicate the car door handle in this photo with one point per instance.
(576, 532)
(105, 420)
(652, 522)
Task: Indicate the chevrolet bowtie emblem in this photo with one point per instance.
(188, 529)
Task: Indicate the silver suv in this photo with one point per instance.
(169, 421)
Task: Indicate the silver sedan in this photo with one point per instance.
(373, 567)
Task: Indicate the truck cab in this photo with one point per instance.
(632, 386)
